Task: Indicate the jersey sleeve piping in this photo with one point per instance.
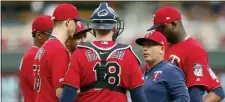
(71, 85)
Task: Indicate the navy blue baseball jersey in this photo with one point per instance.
(165, 83)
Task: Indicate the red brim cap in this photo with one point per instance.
(154, 27)
(164, 15)
(43, 23)
(65, 11)
(153, 36)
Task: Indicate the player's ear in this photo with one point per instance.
(162, 49)
(67, 22)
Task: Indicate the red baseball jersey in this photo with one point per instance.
(26, 74)
(192, 58)
(122, 70)
(50, 65)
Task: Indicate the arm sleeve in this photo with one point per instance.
(72, 76)
(133, 75)
(219, 92)
(196, 93)
(68, 94)
(137, 95)
(22, 74)
(26, 77)
(23, 80)
(198, 71)
(214, 81)
(176, 84)
(59, 66)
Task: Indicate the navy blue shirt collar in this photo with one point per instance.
(52, 37)
(157, 66)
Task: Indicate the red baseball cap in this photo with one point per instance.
(153, 36)
(164, 15)
(43, 23)
(81, 28)
(65, 11)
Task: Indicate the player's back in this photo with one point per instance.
(122, 71)
(26, 74)
(47, 62)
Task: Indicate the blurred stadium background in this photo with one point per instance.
(202, 20)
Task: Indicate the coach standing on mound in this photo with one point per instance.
(164, 82)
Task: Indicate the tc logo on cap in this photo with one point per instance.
(167, 18)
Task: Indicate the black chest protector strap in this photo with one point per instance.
(101, 69)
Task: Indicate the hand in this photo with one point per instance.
(59, 91)
(212, 97)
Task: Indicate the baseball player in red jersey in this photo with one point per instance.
(79, 36)
(189, 55)
(52, 59)
(41, 30)
(103, 70)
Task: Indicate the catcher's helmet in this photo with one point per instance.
(105, 18)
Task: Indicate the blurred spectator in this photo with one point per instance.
(202, 20)
(4, 43)
(222, 41)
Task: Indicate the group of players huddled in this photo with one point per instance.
(62, 67)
